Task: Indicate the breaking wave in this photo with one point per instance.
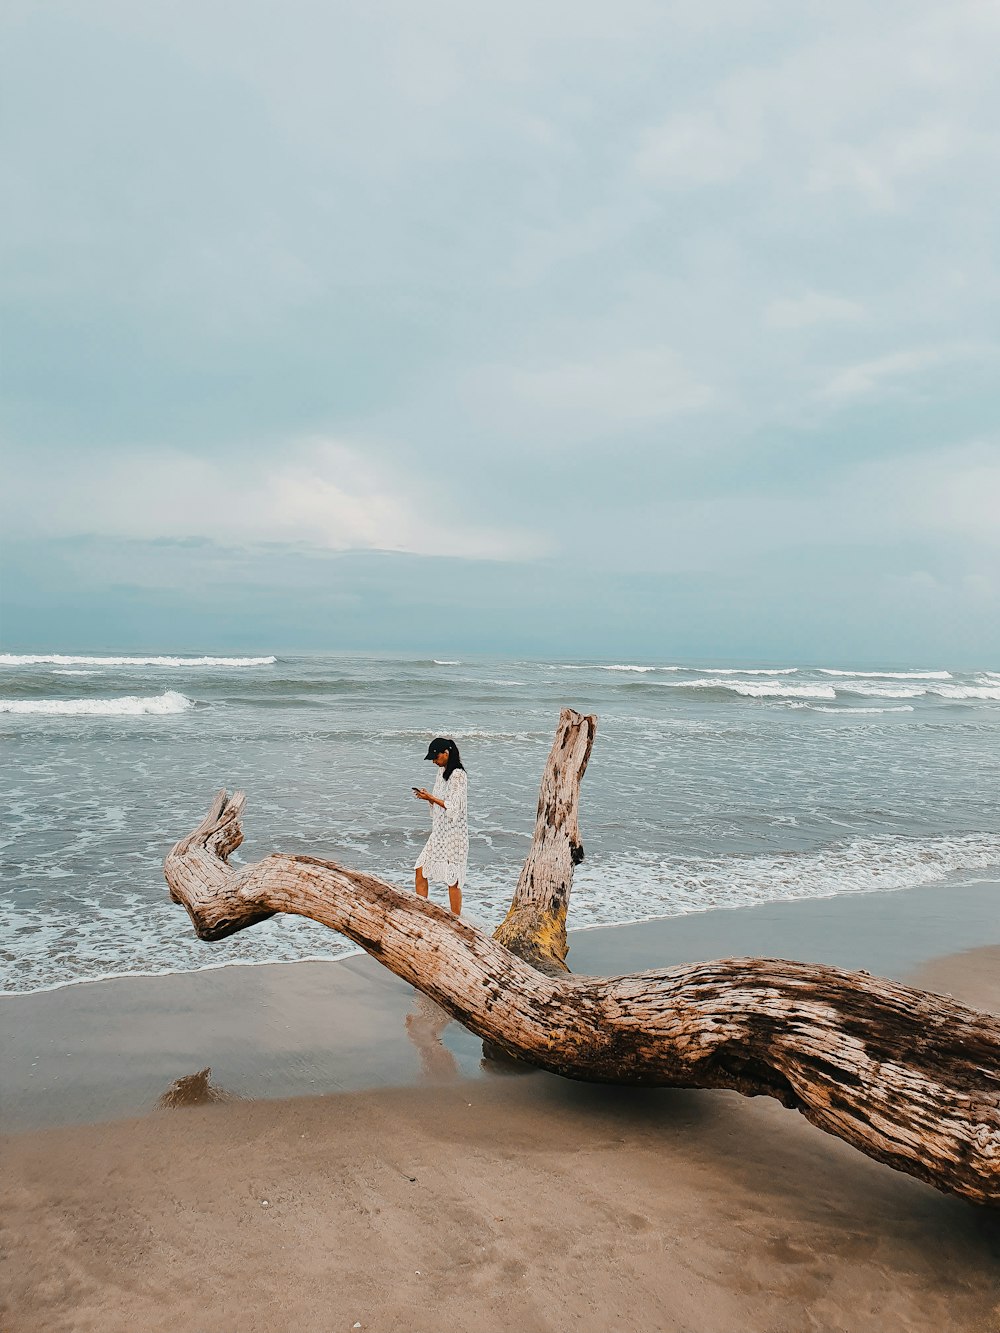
(67, 660)
(887, 690)
(124, 706)
(624, 889)
(889, 675)
(853, 712)
(746, 671)
(756, 689)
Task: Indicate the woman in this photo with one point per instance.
(445, 857)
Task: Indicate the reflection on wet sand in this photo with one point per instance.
(425, 1023)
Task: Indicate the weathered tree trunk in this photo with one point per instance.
(535, 926)
(911, 1079)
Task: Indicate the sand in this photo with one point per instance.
(972, 976)
(473, 1203)
(109, 1049)
(527, 1205)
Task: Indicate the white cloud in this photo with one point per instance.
(318, 493)
(944, 502)
(887, 372)
(879, 169)
(594, 395)
(695, 149)
(955, 492)
(864, 109)
(799, 312)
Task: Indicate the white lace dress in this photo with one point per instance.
(445, 858)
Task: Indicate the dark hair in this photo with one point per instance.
(442, 745)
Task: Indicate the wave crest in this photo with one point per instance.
(623, 889)
(127, 705)
(888, 675)
(64, 660)
(756, 689)
(746, 671)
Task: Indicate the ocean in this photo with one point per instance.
(709, 786)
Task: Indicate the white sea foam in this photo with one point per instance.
(966, 691)
(599, 666)
(59, 672)
(889, 675)
(757, 689)
(746, 671)
(93, 940)
(444, 661)
(626, 889)
(466, 734)
(58, 946)
(126, 705)
(854, 712)
(778, 689)
(63, 659)
(873, 689)
(881, 689)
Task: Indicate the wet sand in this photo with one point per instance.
(463, 1201)
(109, 1049)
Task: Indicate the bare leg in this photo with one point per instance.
(421, 883)
(455, 899)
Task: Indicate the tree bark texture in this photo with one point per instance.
(535, 926)
(910, 1078)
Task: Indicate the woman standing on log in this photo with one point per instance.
(445, 857)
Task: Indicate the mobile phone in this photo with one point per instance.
(414, 789)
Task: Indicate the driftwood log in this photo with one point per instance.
(910, 1078)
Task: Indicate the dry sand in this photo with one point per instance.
(546, 1207)
(520, 1203)
(972, 976)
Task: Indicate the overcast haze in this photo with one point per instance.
(553, 327)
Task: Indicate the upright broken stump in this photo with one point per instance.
(535, 925)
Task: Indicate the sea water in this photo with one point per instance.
(710, 785)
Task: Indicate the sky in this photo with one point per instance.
(662, 327)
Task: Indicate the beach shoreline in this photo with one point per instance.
(108, 1048)
(357, 1166)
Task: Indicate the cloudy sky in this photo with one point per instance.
(663, 327)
